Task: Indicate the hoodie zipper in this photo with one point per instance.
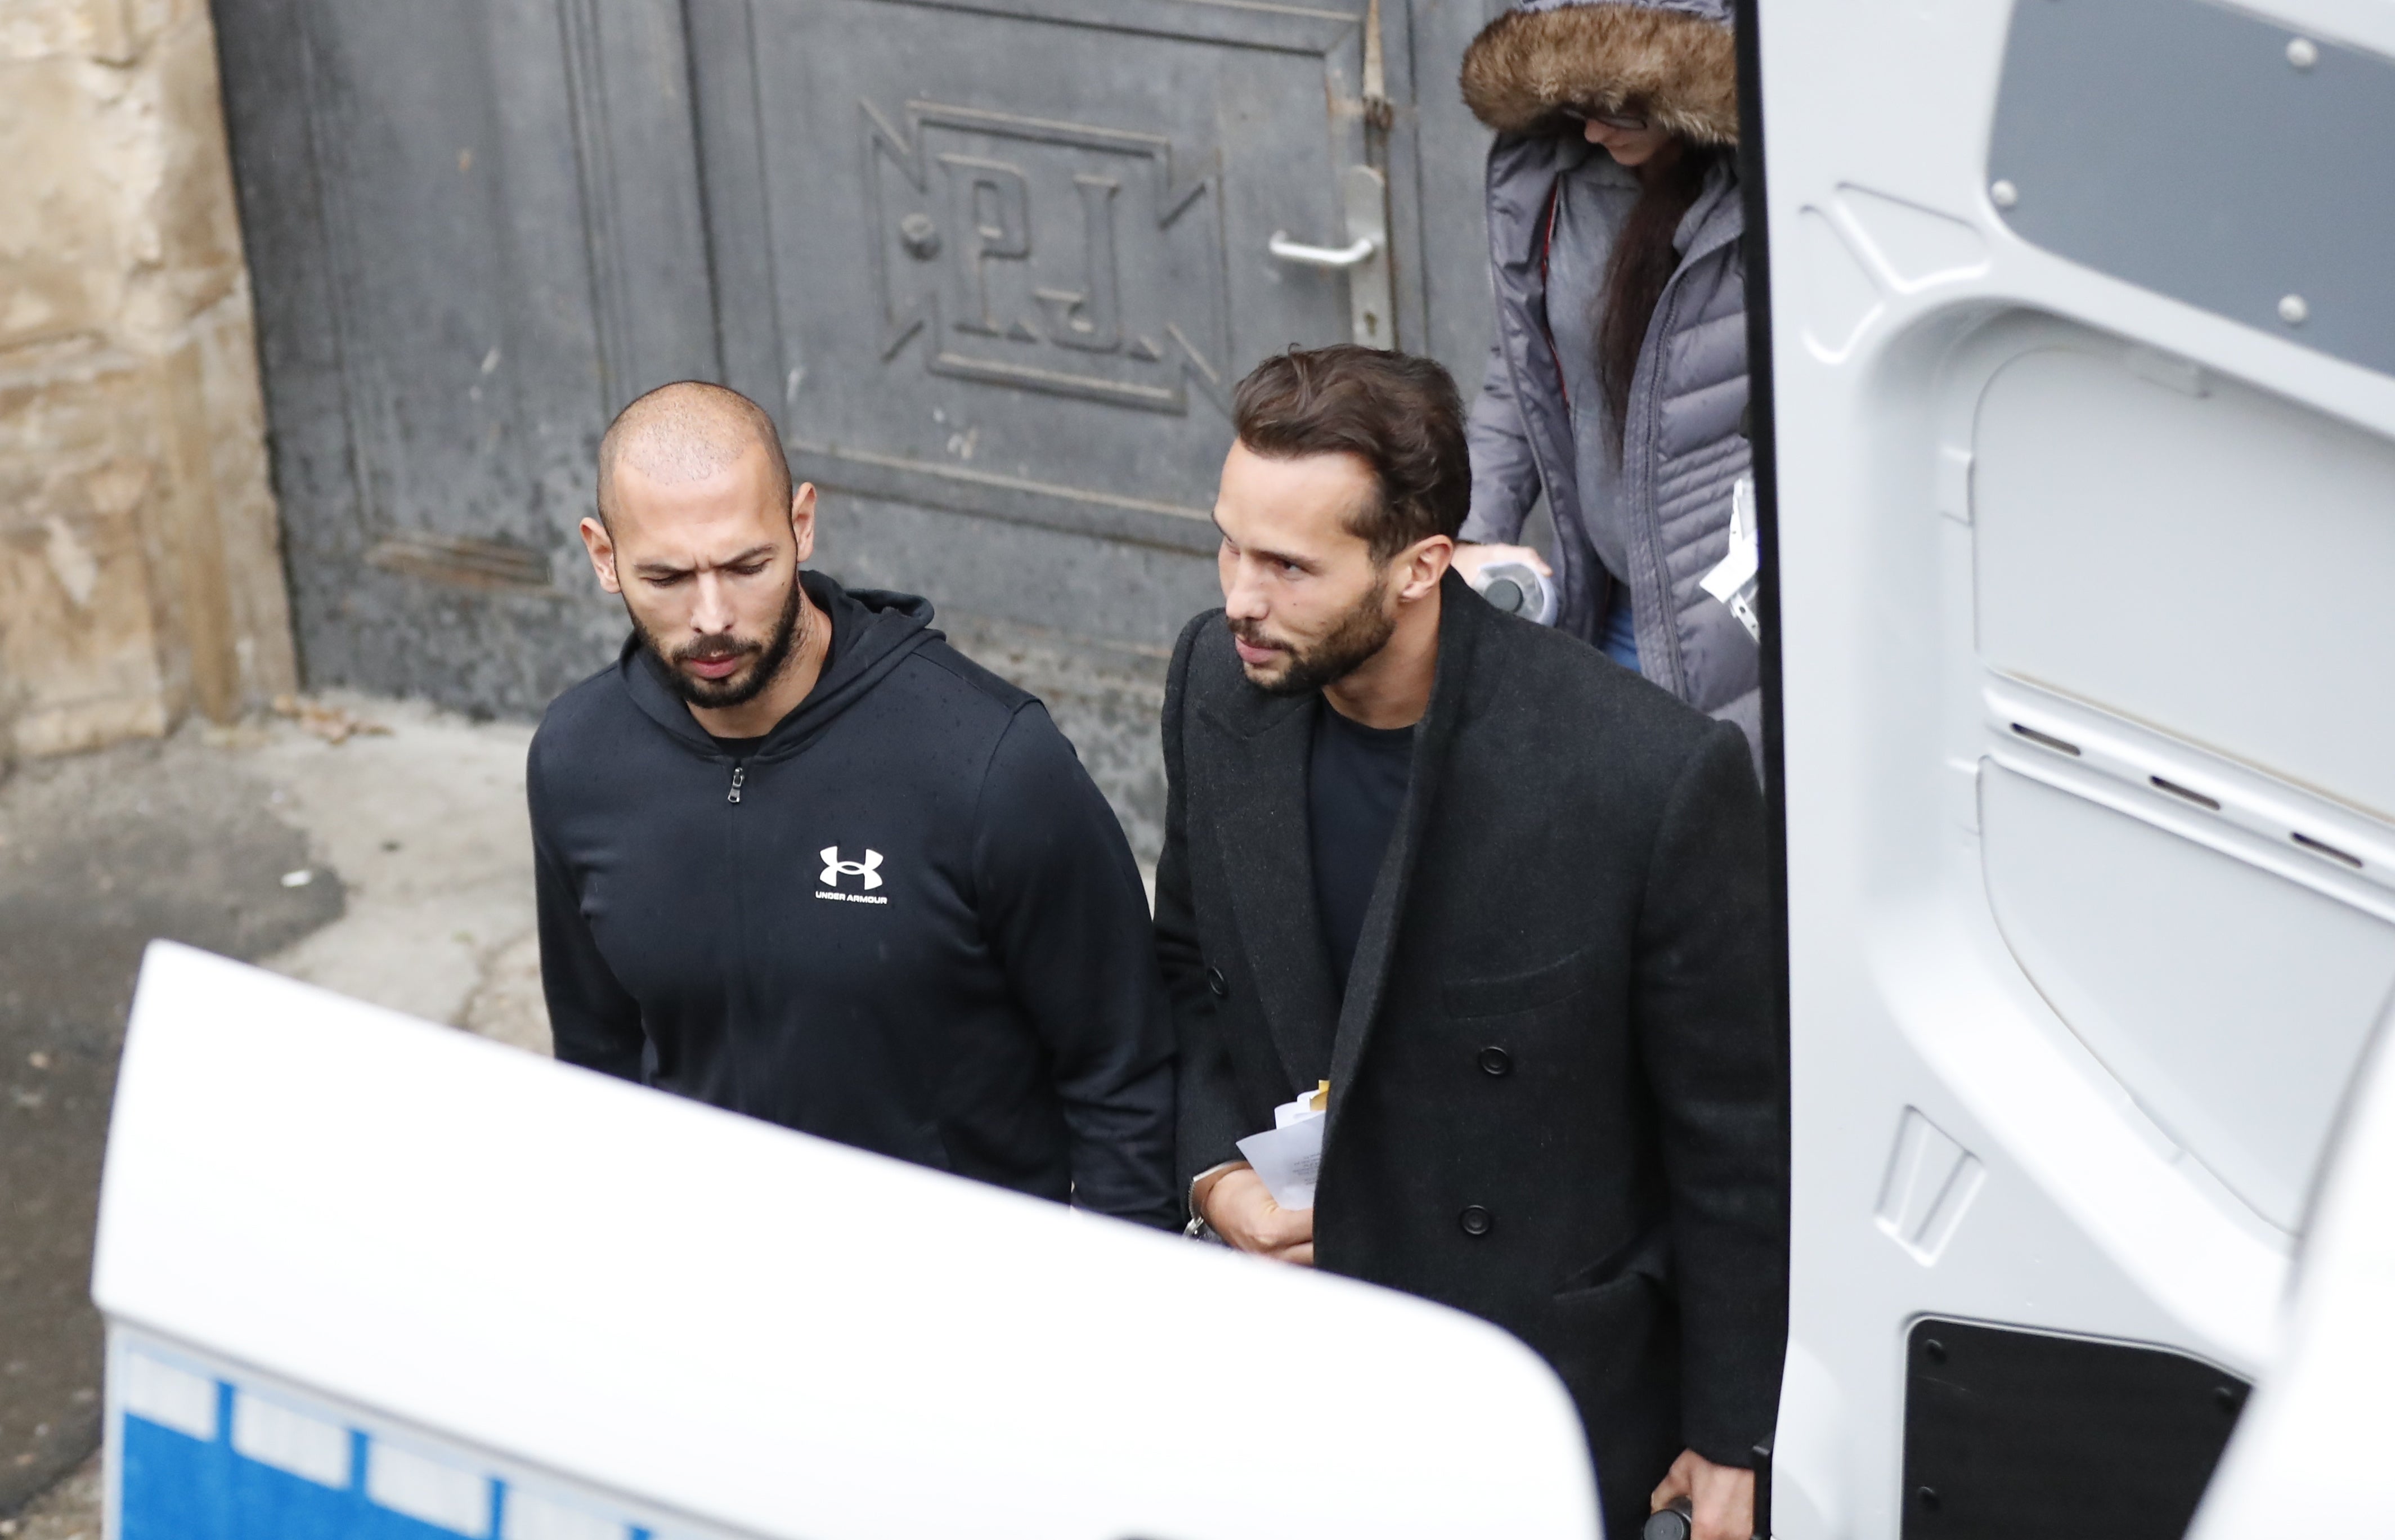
(739, 775)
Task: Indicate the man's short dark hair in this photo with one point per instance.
(1398, 414)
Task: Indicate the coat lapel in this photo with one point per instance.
(1461, 615)
(1259, 744)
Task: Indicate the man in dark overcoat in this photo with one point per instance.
(1510, 900)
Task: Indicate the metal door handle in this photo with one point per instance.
(1365, 257)
(1280, 245)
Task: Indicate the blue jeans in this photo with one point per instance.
(1620, 638)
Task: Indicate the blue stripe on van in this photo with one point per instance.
(176, 1487)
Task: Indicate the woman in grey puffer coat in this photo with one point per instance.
(1618, 380)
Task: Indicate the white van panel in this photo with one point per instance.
(2196, 555)
(2066, 1040)
(438, 1286)
(2232, 1005)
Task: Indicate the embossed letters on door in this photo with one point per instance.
(1050, 256)
(989, 203)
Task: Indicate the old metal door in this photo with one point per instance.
(994, 265)
(1006, 260)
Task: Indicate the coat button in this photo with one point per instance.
(1214, 981)
(1477, 1220)
(1495, 1061)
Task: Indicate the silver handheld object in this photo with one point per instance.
(1517, 590)
(1672, 1521)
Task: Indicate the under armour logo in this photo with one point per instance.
(835, 868)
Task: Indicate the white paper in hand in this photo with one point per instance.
(1288, 1156)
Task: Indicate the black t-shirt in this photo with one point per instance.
(1356, 784)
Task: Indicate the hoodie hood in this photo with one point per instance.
(873, 632)
(1675, 61)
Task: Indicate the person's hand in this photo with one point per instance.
(1242, 1212)
(1721, 1497)
(1469, 560)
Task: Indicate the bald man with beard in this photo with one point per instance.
(799, 858)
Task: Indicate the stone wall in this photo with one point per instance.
(141, 571)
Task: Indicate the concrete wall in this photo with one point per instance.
(140, 571)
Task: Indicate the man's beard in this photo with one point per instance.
(732, 689)
(1354, 641)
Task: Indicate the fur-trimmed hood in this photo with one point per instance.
(1674, 60)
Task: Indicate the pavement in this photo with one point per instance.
(377, 847)
(69, 1510)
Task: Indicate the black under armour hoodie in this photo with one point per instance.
(905, 919)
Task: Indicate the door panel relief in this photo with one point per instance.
(998, 240)
(1024, 286)
(627, 69)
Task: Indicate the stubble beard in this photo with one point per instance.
(733, 689)
(1356, 641)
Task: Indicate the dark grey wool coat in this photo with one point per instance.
(1557, 1082)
